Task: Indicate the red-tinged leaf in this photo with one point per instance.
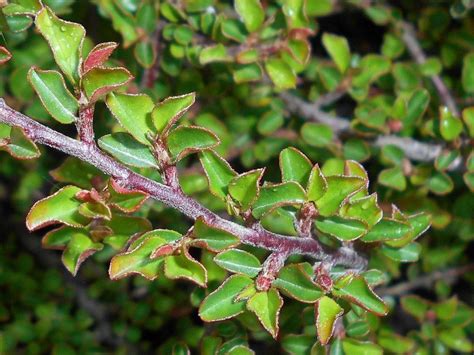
(17, 144)
(184, 266)
(327, 311)
(58, 238)
(5, 55)
(100, 81)
(267, 305)
(61, 207)
(79, 248)
(125, 200)
(98, 56)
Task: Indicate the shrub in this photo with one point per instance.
(230, 145)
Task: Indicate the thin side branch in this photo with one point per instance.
(450, 276)
(260, 237)
(415, 50)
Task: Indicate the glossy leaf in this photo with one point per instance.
(251, 12)
(79, 248)
(341, 228)
(98, 82)
(387, 229)
(17, 144)
(189, 139)
(184, 266)
(406, 254)
(317, 184)
(170, 110)
(355, 347)
(125, 200)
(245, 188)
(54, 95)
(98, 56)
(339, 188)
(213, 238)
(218, 172)
(266, 305)
(294, 166)
(238, 261)
(273, 196)
(449, 126)
(338, 49)
(365, 209)
(294, 280)
(327, 311)
(281, 74)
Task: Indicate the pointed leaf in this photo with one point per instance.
(133, 113)
(189, 139)
(184, 266)
(266, 306)
(212, 238)
(449, 126)
(365, 209)
(294, 166)
(339, 189)
(408, 253)
(273, 196)
(79, 248)
(61, 207)
(238, 261)
(245, 188)
(327, 311)
(218, 172)
(294, 281)
(338, 49)
(387, 229)
(220, 304)
(317, 184)
(342, 228)
(18, 144)
(167, 112)
(55, 97)
(281, 74)
(251, 12)
(98, 56)
(98, 82)
(65, 39)
(125, 200)
(126, 149)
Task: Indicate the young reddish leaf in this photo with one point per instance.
(212, 238)
(184, 266)
(65, 39)
(238, 261)
(5, 55)
(185, 140)
(98, 56)
(170, 110)
(273, 196)
(98, 82)
(365, 209)
(357, 291)
(251, 12)
(388, 229)
(124, 148)
(17, 144)
(294, 166)
(339, 189)
(54, 95)
(245, 187)
(295, 281)
(218, 172)
(343, 229)
(266, 306)
(125, 200)
(61, 207)
(317, 184)
(327, 311)
(133, 113)
(220, 304)
(79, 248)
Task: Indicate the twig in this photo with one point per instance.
(449, 276)
(260, 238)
(415, 50)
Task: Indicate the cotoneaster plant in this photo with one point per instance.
(297, 253)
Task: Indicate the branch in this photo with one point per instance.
(415, 50)
(413, 149)
(260, 237)
(449, 276)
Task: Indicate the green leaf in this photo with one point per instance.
(185, 140)
(245, 188)
(5, 55)
(212, 238)
(77, 172)
(184, 266)
(145, 54)
(55, 97)
(218, 172)
(406, 254)
(126, 149)
(327, 311)
(247, 73)
(281, 74)
(125, 200)
(123, 227)
(341, 228)
(456, 339)
(416, 107)
(295, 13)
(468, 117)
(220, 305)
(294, 280)
(234, 29)
(357, 291)
(298, 344)
(393, 178)
(17, 144)
(95, 210)
(355, 347)
(440, 183)
(339, 188)
(266, 305)
(415, 306)
(317, 184)
(388, 229)
(61, 207)
(468, 73)
(445, 159)
(65, 39)
(420, 223)
(449, 126)
(251, 12)
(79, 248)
(170, 110)
(98, 82)
(338, 49)
(294, 166)
(365, 209)
(133, 114)
(273, 196)
(238, 261)
(137, 259)
(217, 53)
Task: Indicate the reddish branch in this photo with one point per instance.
(256, 236)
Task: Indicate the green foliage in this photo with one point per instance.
(254, 112)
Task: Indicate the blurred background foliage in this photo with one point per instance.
(243, 69)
